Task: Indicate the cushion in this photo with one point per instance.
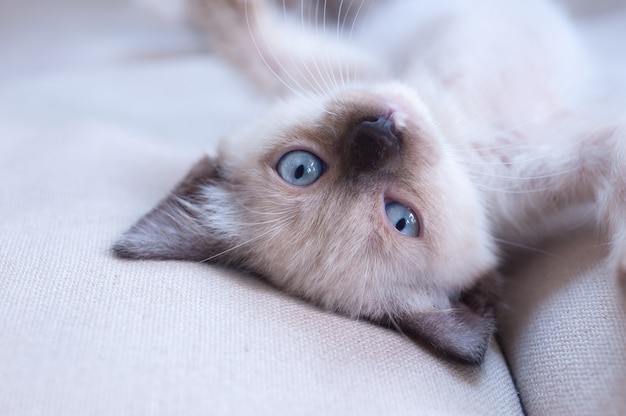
(89, 145)
(563, 328)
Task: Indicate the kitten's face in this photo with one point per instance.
(334, 242)
(354, 202)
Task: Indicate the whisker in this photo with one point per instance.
(328, 66)
(565, 147)
(306, 95)
(326, 90)
(287, 210)
(529, 248)
(352, 26)
(279, 218)
(310, 80)
(278, 232)
(531, 121)
(363, 284)
(395, 325)
(273, 54)
(525, 178)
(338, 36)
(251, 240)
(516, 191)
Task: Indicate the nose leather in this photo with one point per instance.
(373, 144)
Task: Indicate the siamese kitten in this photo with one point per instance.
(408, 142)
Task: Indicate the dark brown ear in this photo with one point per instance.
(174, 230)
(462, 331)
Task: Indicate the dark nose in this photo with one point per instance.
(373, 144)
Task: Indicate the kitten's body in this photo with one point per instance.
(496, 125)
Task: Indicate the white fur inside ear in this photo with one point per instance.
(222, 213)
(174, 11)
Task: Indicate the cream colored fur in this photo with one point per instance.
(503, 124)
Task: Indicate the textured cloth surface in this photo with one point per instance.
(102, 111)
(86, 147)
(85, 333)
(564, 329)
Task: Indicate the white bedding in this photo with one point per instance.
(102, 110)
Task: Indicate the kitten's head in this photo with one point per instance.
(354, 202)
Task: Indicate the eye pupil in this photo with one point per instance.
(300, 168)
(299, 172)
(402, 218)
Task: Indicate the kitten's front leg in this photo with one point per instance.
(603, 168)
(570, 160)
(279, 51)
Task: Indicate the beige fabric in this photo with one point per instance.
(85, 149)
(564, 330)
(84, 333)
(101, 112)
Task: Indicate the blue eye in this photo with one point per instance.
(300, 168)
(403, 219)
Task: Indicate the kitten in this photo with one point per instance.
(396, 162)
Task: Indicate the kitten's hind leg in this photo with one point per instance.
(279, 50)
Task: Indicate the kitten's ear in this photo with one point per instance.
(173, 230)
(463, 331)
